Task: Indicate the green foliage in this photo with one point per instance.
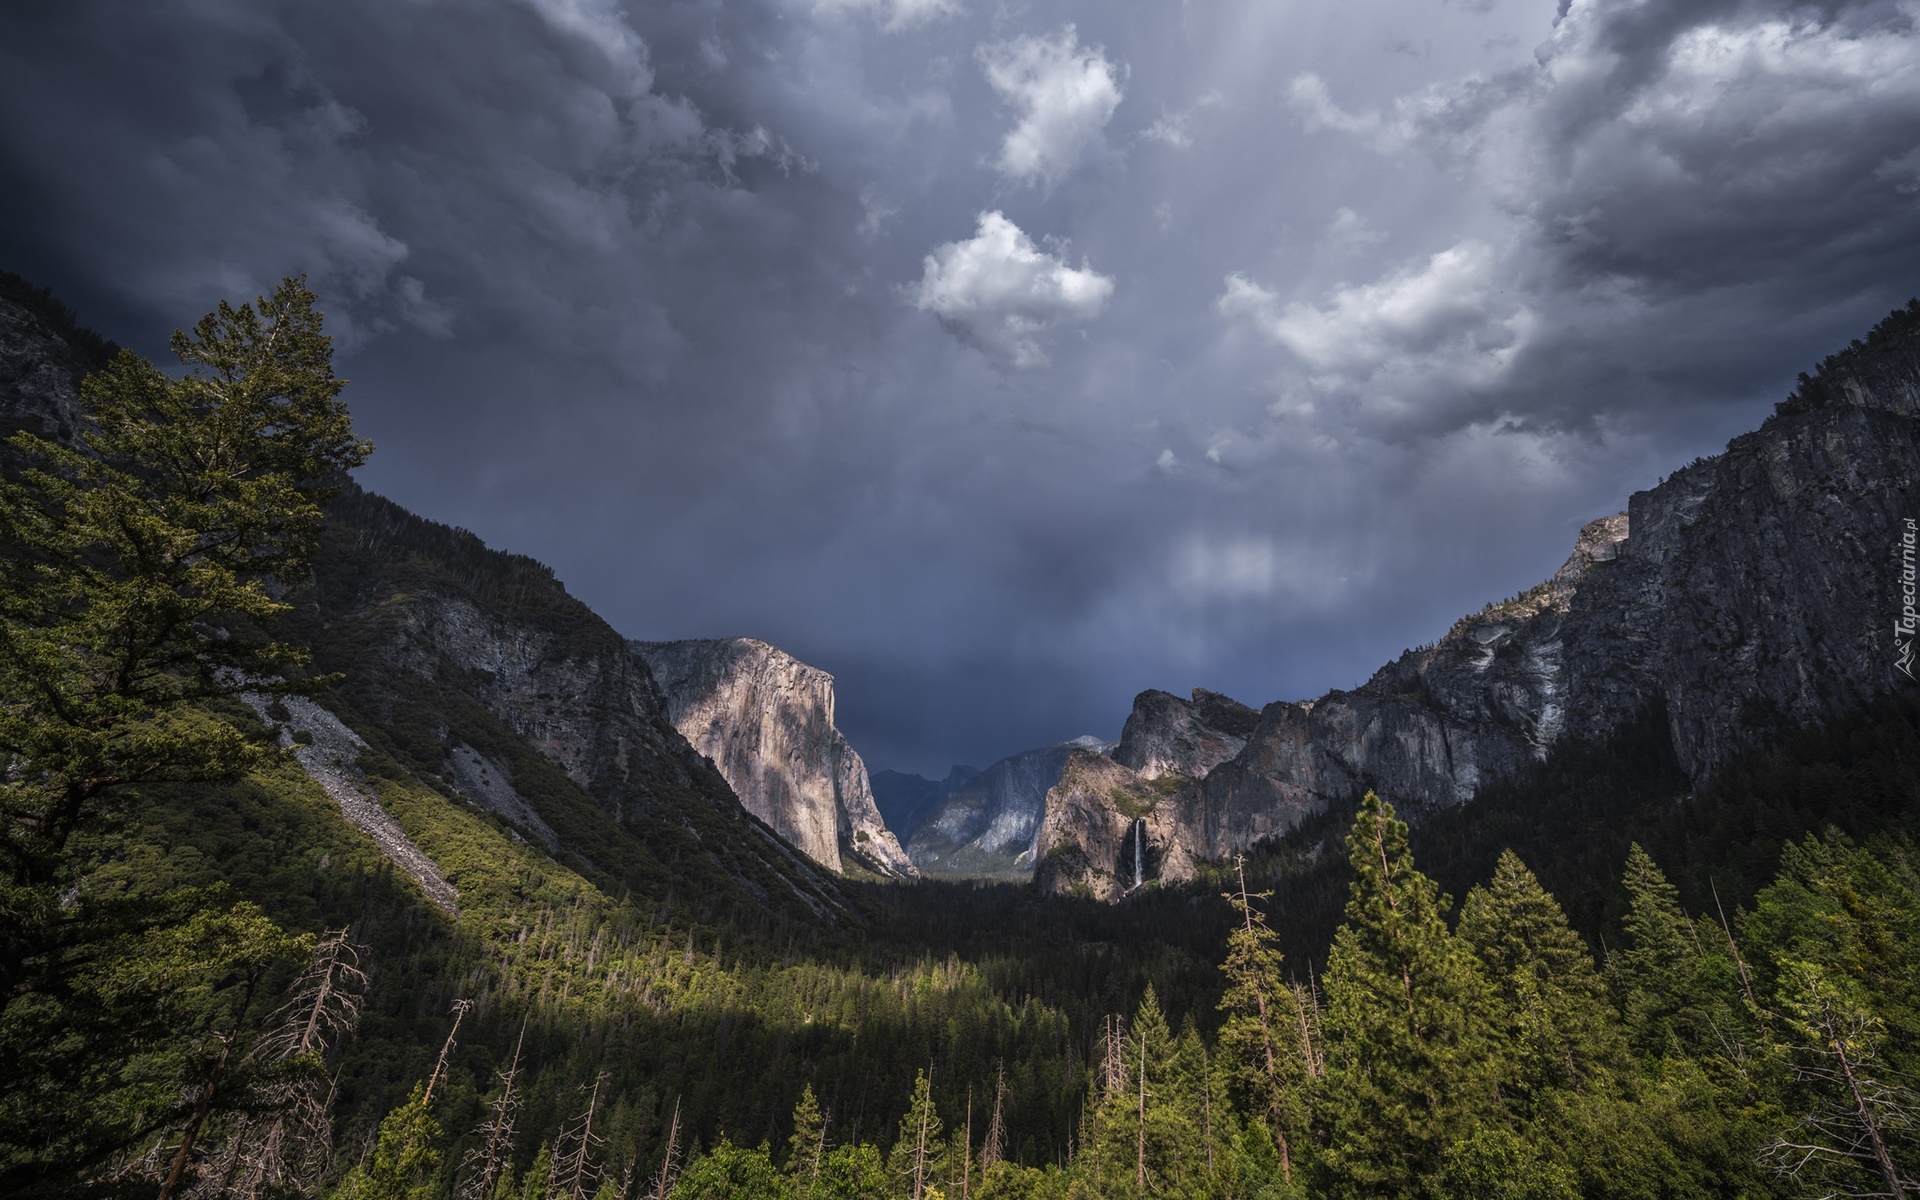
(406, 1156)
(1266, 1041)
(1493, 1164)
(731, 1172)
(1550, 1005)
(1412, 1057)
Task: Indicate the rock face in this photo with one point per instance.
(766, 720)
(1107, 830)
(988, 827)
(43, 356)
(485, 673)
(904, 799)
(1166, 735)
(1747, 590)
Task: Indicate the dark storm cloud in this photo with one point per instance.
(1002, 358)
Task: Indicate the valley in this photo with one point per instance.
(652, 884)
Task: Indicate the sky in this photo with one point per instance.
(1002, 357)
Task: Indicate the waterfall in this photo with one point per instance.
(1138, 827)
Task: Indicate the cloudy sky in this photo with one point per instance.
(1004, 357)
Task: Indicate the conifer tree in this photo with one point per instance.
(916, 1159)
(491, 1160)
(136, 573)
(1678, 988)
(1411, 1065)
(807, 1148)
(1264, 1038)
(1859, 1134)
(284, 1143)
(406, 1156)
(1554, 1018)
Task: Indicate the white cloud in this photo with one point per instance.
(1405, 344)
(1065, 95)
(893, 15)
(1350, 231)
(1312, 99)
(1174, 127)
(999, 291)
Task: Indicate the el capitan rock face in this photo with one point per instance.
(1746, 590)
(766, 720)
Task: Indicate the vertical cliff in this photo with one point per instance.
(766, 720)
(989, 826)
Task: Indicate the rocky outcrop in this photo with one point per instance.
(476, 672)
(987, 828)
(1166, 735)
(1107, 831)
(44, 354)
(766, 720)
(1747, 592)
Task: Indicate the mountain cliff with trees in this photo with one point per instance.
(1746, 593)
(349, 858)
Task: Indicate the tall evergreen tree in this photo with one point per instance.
(1412, 1064)
(1264, 1041)
(916, 1160)
(1677, 985)
(1559, 1031)
(807, 1148)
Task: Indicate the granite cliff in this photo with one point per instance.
(988, 826)
(1747, 592)
(766, 720)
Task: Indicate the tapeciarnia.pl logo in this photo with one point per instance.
(1904, 627)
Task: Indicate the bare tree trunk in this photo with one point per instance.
(1881, 1158)
(666, 1178)
(460, 1008)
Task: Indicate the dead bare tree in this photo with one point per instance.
(574, 1172)
(663, 1182)
(487, 1160)
(995, 1147)
(285, 1140)
(460, 1008)
(1846, 1144)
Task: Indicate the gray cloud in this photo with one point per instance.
(668, 296)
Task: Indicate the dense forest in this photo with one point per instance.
(212, 984)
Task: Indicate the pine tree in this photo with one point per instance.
(284, 1144)
(1410, 1067)
(575, 1173)
(994, 1148)
(916, 1159)
(135, 575)
(491, 1160)
(807, 1148)
(1859, 1134)
(1264, 1039)
(1147, 1136)
(406, 1156)
(1554, 1018)
(1678, 988)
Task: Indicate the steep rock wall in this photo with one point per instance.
(766, 720)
